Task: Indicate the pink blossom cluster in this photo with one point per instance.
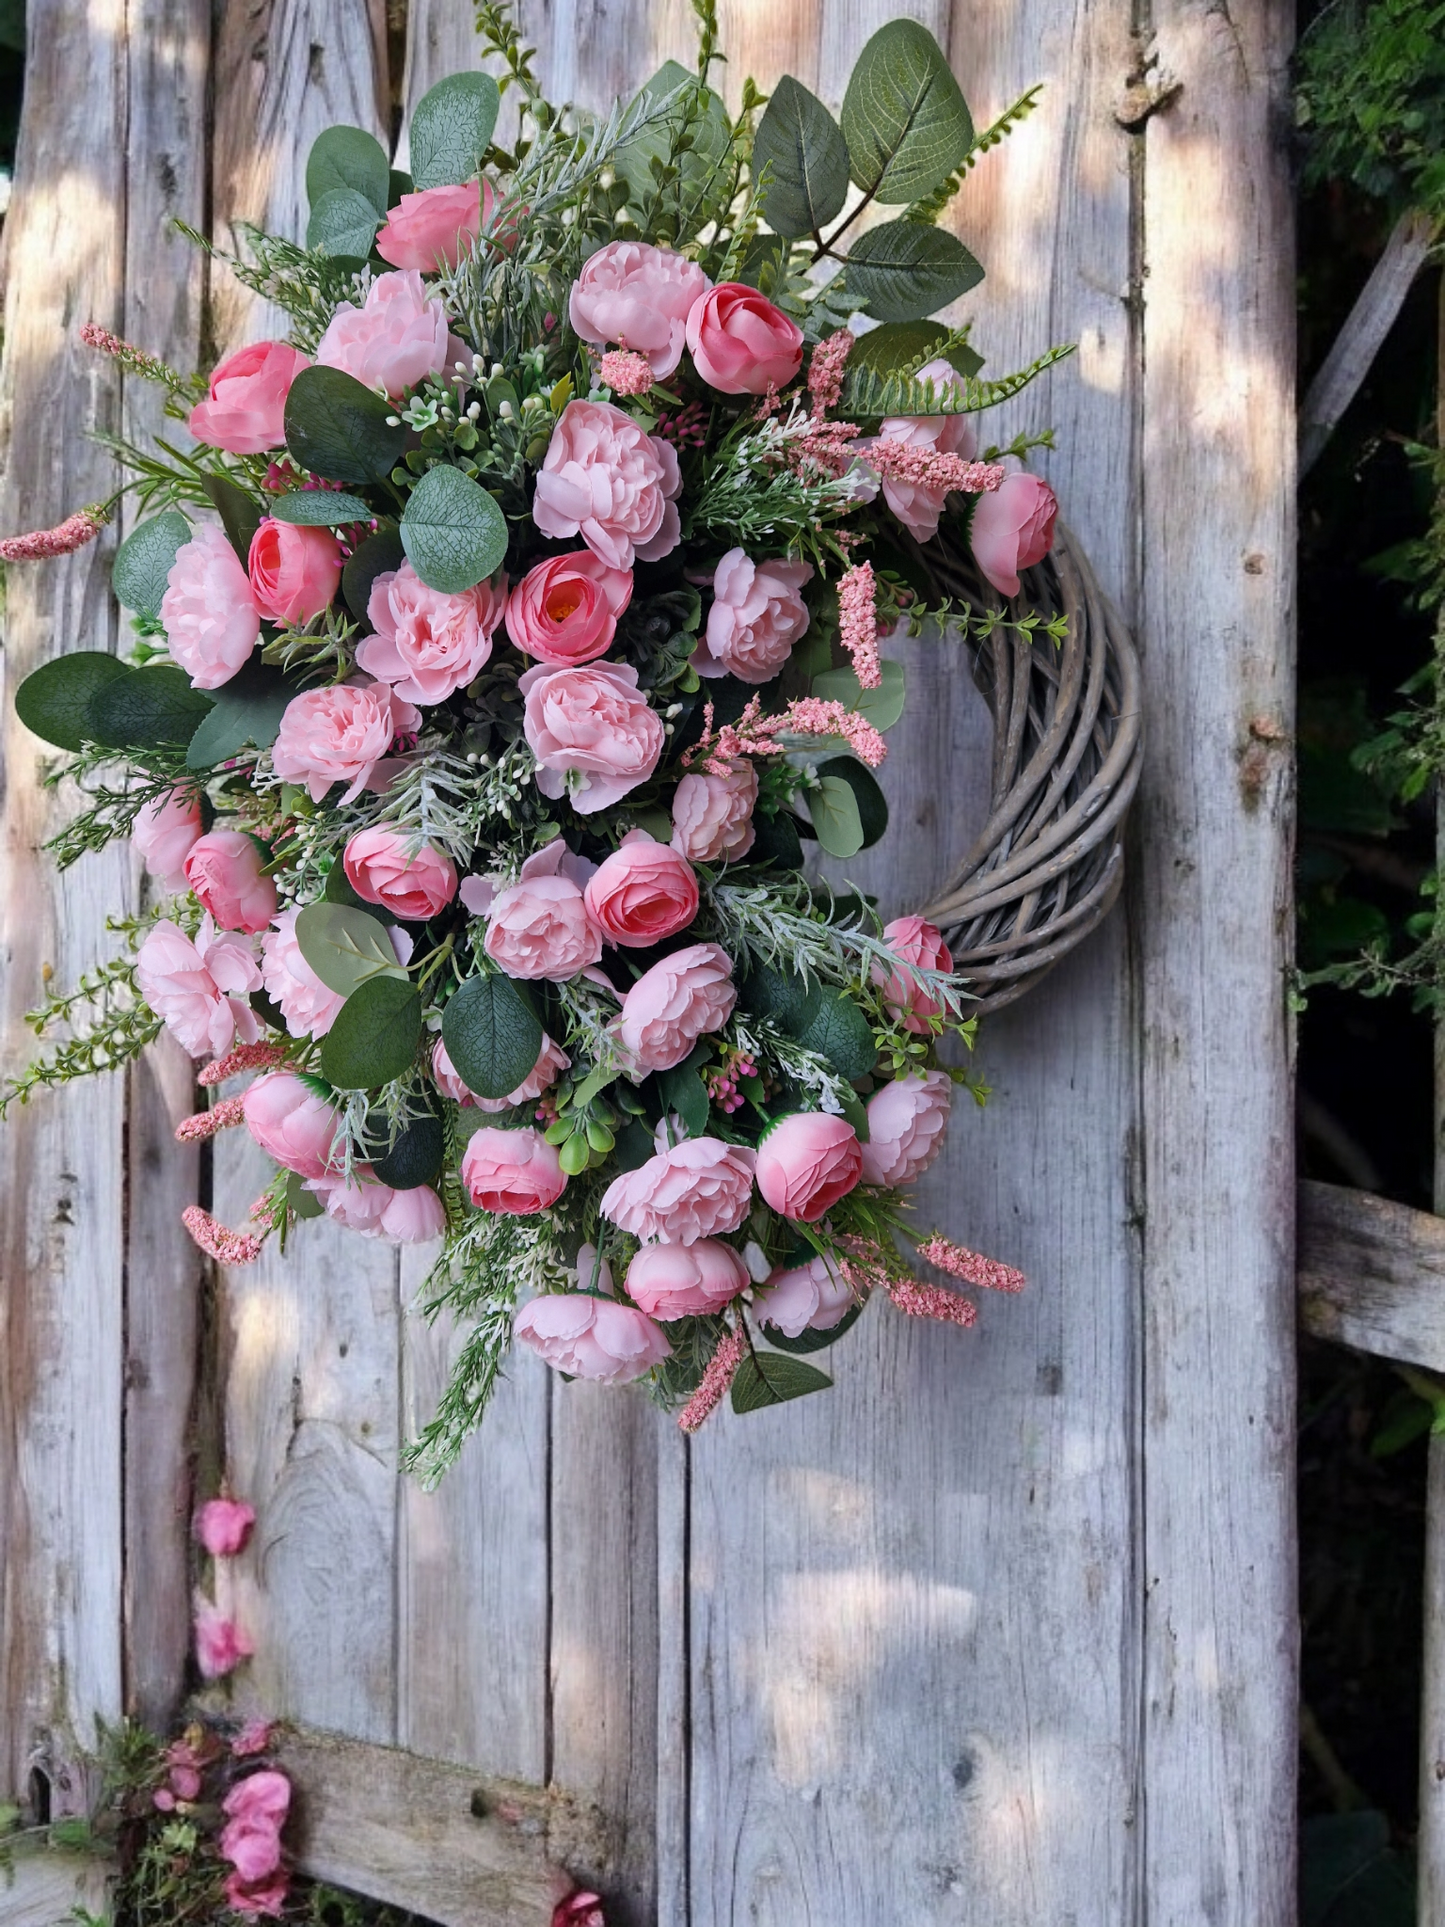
(723, 1080)
(858, 622)
(755, 734)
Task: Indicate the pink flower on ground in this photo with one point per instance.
(740, 343)
(291, 1123)
(565, 610)
(592, 731)
(394, 341)
(208, 612)
(810, 1297)
(917, 506)
(906, 1123)
(245, 410)
(429, 229)
(294, 571)
(541, 926)
(307, 1005)
(670, 1006)
(381, 867)
(339, 735)
(756, 616)
(224, 871)
(919, 942)
(640, 297)
(200, 988)
(256, 1899)
(695, 1190)
(712, 815)
(427, 644)
(255, 1811)
(223, 1526)
(164, 834)
(512, 1171)
(550, 1064)
(590, 1337)
(607, 481)
(220, 1644)
(686, 1281)
(643, 893)
(806, 1162)
(579, 1910)
(1013, 528)
(254, 1737)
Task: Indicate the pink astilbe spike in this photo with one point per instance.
(825, 371)
(753, 733)
(218, 1241)
(732, 1349)
(931, 467)
(135, 359)
(626, 373)
(986, 1274)
(245, 1057)
(204, 1124)
(858, 622)
(71, 534)
(931, 1301)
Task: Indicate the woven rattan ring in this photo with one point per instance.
(1048, 865)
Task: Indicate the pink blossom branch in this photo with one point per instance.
(245, 1057)
(858, 622)
(825, 371)
(205, 1124)
(732, 1349)
(931, 1301)
(987, 1274)
(135, 359)
(218, 1241)
(71, 534)
(932, 468)
(755, 734)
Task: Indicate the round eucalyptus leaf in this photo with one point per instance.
(836, 1028)
(345, 947)
(492, 1035)
(374, 1036)
(348, 159)
(454, 534)
(146, 708)
(144, 560)
(343, 225)
(320, 508)
(451, 126)
(337, 428)
(881, 706)
(834, 812)
(872, 805)
(378, 554)
(416, 1156)
(54, 700)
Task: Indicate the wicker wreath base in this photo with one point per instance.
(1047, 866)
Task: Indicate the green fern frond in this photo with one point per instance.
(869, 395)
(927, 211)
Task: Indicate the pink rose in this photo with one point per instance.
(223, 1526)
(686, 1281)
(291, 1123)
(565, 610)
(1012, 528)
(712, 816)
(414, 1216)
(255, 1811)
(200, 988)
(339, 735)
(164, 833)
(906, 1123)
(381, 867)
(245, 411)
(208, 612)
(610, 483)
(550, 1064)
(694, 1190)
(255, 1898)
(811, 1297)
(357, 1203)
(427, 230)
(294, 571)
(592, 732)
(220, 1643)
(514, 1171)
(640, 297)
(917, 506)
(756, 616)
(224, 871)
(540, 926)
(590, 1337)
(806, 1162)
(429, 645)
(307, 1005)
(645, 891)
(916, 941)
(394, 342)
(740, 343)
(674, 1003)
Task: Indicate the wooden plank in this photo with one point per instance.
(1372, 1274)
(44, 1889)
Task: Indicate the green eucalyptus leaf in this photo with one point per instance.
(374, 1036)
(304, 1203)
(247, 709)
(781, 995)
(320, 508)
(905, 120)
(54, 700)
(833, 809)
(378, 554)
(804, 146)
(881, 706)
(770, 1378)
(903, 270)
(345, 947)
(454, 534)
(872, 806)
(348, 159)
(492, 1035)
(451, 127)
(836, 1028)
(147, 708)
(337, 889)
(807, 1340)
(401, 183)
(240, 516)
(416, 1156)
(144, 560)
(907, 344)
(683, 1091)
(337, 428)
(343, 225)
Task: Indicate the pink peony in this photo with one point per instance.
(806, 1162)
(810, 1297)
(607, 481)
(686, 1281)
(514, 1171)
(1012, 528)
(223, 1526)
(381, 867)
(339, 735)
(673, 1004)
(429, 229)
(550, 1064)
(307, 1005)
(756, 616)
(224, 871)
(414, 1216)
(394, 342)
(208, 612)
(220, 1643)
(916, 941)
(291, 1123)
(640, 297)
(245, 410)
(164, 834)
(917, 506)
(906, 1123)
(429, 645)
(294, 571)
(592, 732)
(712, 816)
(740, 343)
(541, 926)
(695, 1190)
(565, 610)
(645, 891)
(200, 987)
(590, 1337)
(258, 1898)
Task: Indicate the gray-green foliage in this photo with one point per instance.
(905, 120)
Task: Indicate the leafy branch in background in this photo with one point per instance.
(1370, 98)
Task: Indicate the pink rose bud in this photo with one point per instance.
(756, 616)
(565, 610)
(592, 731)
(906, 1123)
(1012, 528)
(512, 1171)
(639, 296)
(220, 1643)
(430, 229)
(224, 871)
(307, 1005)
(291, 1124)
(694, 1190)
(917, 506)
(382, 867)
(643, 892)
(339, 735)
(806, 1162)
(429, 645)
(712, 816)
(740, 343)
(208, 612)
(200, 988)
(258, 1899)
(294, 571)
(540, 926)
(550, 1064)
(165, 832)
(916, 941)
(394, 341)
(245, 411)
(686, 1281)
(811, 1297)
(607, 481)
(670, 1006)
(223, 1526)
(590, 1337)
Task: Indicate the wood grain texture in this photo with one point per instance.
(44, 1889)
(1372, 1274)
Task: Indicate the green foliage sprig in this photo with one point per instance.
(1371, 99)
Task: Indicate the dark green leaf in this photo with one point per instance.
(904, 117)
(683, 1091)
(634, 1146)
(856, 1114)
(415, 1158)
(872, 808)
(348, 158)
(775, 841)
(1350, 1875)
(343, 225)
(454, 534)
(400, 184)
(240, 516)
(337, 428)
(766, 1378)
(808, 1340)
(377, 555)
(902, 270)
(836, 1028)
(248, 709)
(146, 708)
(492, 1035)
(836, 822)
(320, 508)
(881, 706)
(304, 1203)
(700, 179)
(908, 344)
(345, 947)
(374, 1036)
(54, 700)
(779, 994)
(338, 890)
(450, 129)
(804, 145)
(144, 560)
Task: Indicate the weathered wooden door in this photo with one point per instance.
(1000, 1631)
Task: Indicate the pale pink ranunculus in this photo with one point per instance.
(164, 834)
(644, 892)
(550, 1064)
(339, 735)
(686, 1281)
(906, 1123)
(512, 1171)
(220, 1643)
(564, 611)
(916, 941)
(245, 409)
(592, 731)
(292, 1124)
(356, 1203)
(608, 481)
(223, 1526)
(740, 343)
(258, 1899)
(224, 871)
(394, 341)
(712, 816)
(431, 228)
(294, 572)
(810, 1297)
(199, 987)
(1012, 528)
(382, 867)
(917, 506)
(806, 1162)
(428, 645)
(414, 1217)
(589, 1337)
(208, 612)
(308, 1006)
(694, 1190)
(757, 615)
(670, 1006)
(540, 926)
(640, 297)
